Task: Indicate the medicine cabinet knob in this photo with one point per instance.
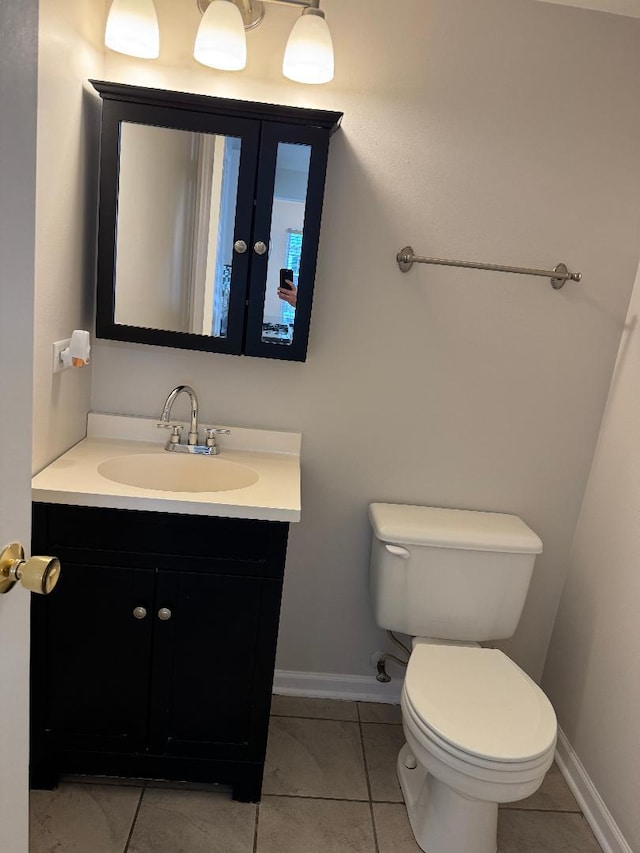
(164, 614)
(260, 248)
(240, 246)
(38, 574)
(140, 612)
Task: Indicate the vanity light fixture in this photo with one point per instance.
(221, 41)
(308, 56)
(132, 28)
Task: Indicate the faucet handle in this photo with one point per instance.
(177, 431)
(212, 432)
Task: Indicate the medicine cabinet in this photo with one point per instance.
(203, 202)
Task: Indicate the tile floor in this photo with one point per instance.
(329, 787)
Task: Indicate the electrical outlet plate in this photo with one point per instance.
(58, 346)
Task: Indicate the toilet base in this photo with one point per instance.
(442, 820)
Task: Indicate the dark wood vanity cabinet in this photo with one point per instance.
(154, 658)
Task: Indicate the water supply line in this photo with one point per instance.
(383, 676)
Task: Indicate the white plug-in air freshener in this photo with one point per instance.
(77, 353)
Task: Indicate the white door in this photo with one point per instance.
(18, 100)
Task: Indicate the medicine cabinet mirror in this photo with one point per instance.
(209, 207)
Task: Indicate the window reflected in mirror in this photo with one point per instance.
(177, 196)
(285, 245)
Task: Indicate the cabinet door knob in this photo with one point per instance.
(164, 614)
(260, 248)
(140, 612)
(240, 246)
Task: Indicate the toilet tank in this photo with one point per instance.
(449, 574)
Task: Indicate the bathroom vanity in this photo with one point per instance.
(155, 657)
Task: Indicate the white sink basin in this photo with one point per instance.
(173, 472)
(122, 464)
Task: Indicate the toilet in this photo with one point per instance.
(478, 730)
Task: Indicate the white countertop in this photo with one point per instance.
(73, 478)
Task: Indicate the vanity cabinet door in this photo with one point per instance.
(90, 655)
(210, 652)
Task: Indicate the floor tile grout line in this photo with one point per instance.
(366, 774)
(541, 811)
(344, 799)
(322, 719)
(376, 846)
(364, 761)
(337, 719)
(255, 829)
(135, 818)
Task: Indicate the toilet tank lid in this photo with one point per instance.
(468, 530)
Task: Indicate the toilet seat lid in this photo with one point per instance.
(480, 702)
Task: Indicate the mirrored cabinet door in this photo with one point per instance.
(174, 201)
(209, 221)
(177, 205)
(287, 222)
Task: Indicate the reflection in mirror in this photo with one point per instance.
(285, 245)
(177, 193)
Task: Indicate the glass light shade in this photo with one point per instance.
(221, 41)
(308, 57)
(132, 28)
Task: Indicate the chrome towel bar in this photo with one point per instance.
(406, 259)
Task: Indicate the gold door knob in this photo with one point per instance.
(38, 574)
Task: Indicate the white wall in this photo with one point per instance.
(630, 8)
(505, 131)
(593, 670)
(70, 52)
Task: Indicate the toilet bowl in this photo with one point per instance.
(479, 732)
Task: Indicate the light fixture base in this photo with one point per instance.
(252, 11)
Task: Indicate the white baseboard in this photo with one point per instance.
(593, 806)
(329, 685)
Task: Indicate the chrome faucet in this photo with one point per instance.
(168, 405)
(210, 448)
